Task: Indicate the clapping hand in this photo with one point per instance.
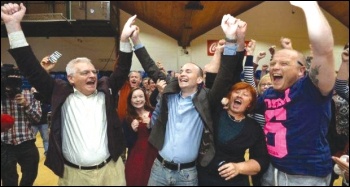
(135, 125)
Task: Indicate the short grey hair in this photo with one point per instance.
(70, 68)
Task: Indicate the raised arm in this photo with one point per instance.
(248, 66)
(146, 61)
(12, 15)
(286, 43)
(322, 70)
(212, 68)
(231, 59)
(260, 56)
(122, 68)
(214, 65)
(46, 64)
(341, 84)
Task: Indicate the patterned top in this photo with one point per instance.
(296, 127)
(24, 116)
(342, 115)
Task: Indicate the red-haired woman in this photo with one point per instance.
(235, 133)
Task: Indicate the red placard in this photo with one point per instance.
(211, 44)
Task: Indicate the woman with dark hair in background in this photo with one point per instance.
(141, 154)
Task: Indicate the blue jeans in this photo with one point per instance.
(44, 132)
(161, 176)
(26, 155)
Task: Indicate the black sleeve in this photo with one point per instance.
(153, 97)
(209, 79)
(130, 135)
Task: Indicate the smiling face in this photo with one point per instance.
(82, 75)
(264, 83)
(242, 99)
(285, 70)
(145, 83)
(138, 99)
(151, 85)
(135, 79)
(190, 76)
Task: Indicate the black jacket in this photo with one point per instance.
(58, 90)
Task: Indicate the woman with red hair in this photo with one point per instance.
(234, 133)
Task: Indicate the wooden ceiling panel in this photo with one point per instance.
(338, 9)
(181, 20)
(181, 23)
(212, 13)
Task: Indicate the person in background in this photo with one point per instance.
(145, 84)
(297, 109)
(264, 84)
(342, 167)
(134, 81)
(339, 129)
(86, 138)
(18, 143)
(342, 81)
(141, 153)
(260, 73)
(42, 126)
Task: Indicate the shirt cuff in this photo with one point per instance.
(125, 47)
(230, 49)
(138, 46)
(17, 39)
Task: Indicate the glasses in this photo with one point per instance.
(300, 63)
(87, 72)
(263, 85)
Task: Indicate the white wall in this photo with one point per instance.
(267, 22)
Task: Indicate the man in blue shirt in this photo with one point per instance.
(182, 126)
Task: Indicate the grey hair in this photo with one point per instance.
(70, 68)
(133, 71)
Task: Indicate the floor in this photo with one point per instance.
(47, 178)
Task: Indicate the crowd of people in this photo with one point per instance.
(193, 128)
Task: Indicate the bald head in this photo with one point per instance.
(293, 55)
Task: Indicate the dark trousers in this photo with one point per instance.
(211, 177)
(26, 155)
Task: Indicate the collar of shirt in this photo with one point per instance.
(192, 95)
(78, 93)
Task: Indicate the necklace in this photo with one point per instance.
(235, 120)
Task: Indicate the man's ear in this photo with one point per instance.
(302, 71)
(70, 79)
(199, 80)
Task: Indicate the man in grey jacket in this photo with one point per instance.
(182, 126)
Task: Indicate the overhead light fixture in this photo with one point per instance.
(194, 5)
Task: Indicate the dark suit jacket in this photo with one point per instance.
(204, 100)
(58, 90)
